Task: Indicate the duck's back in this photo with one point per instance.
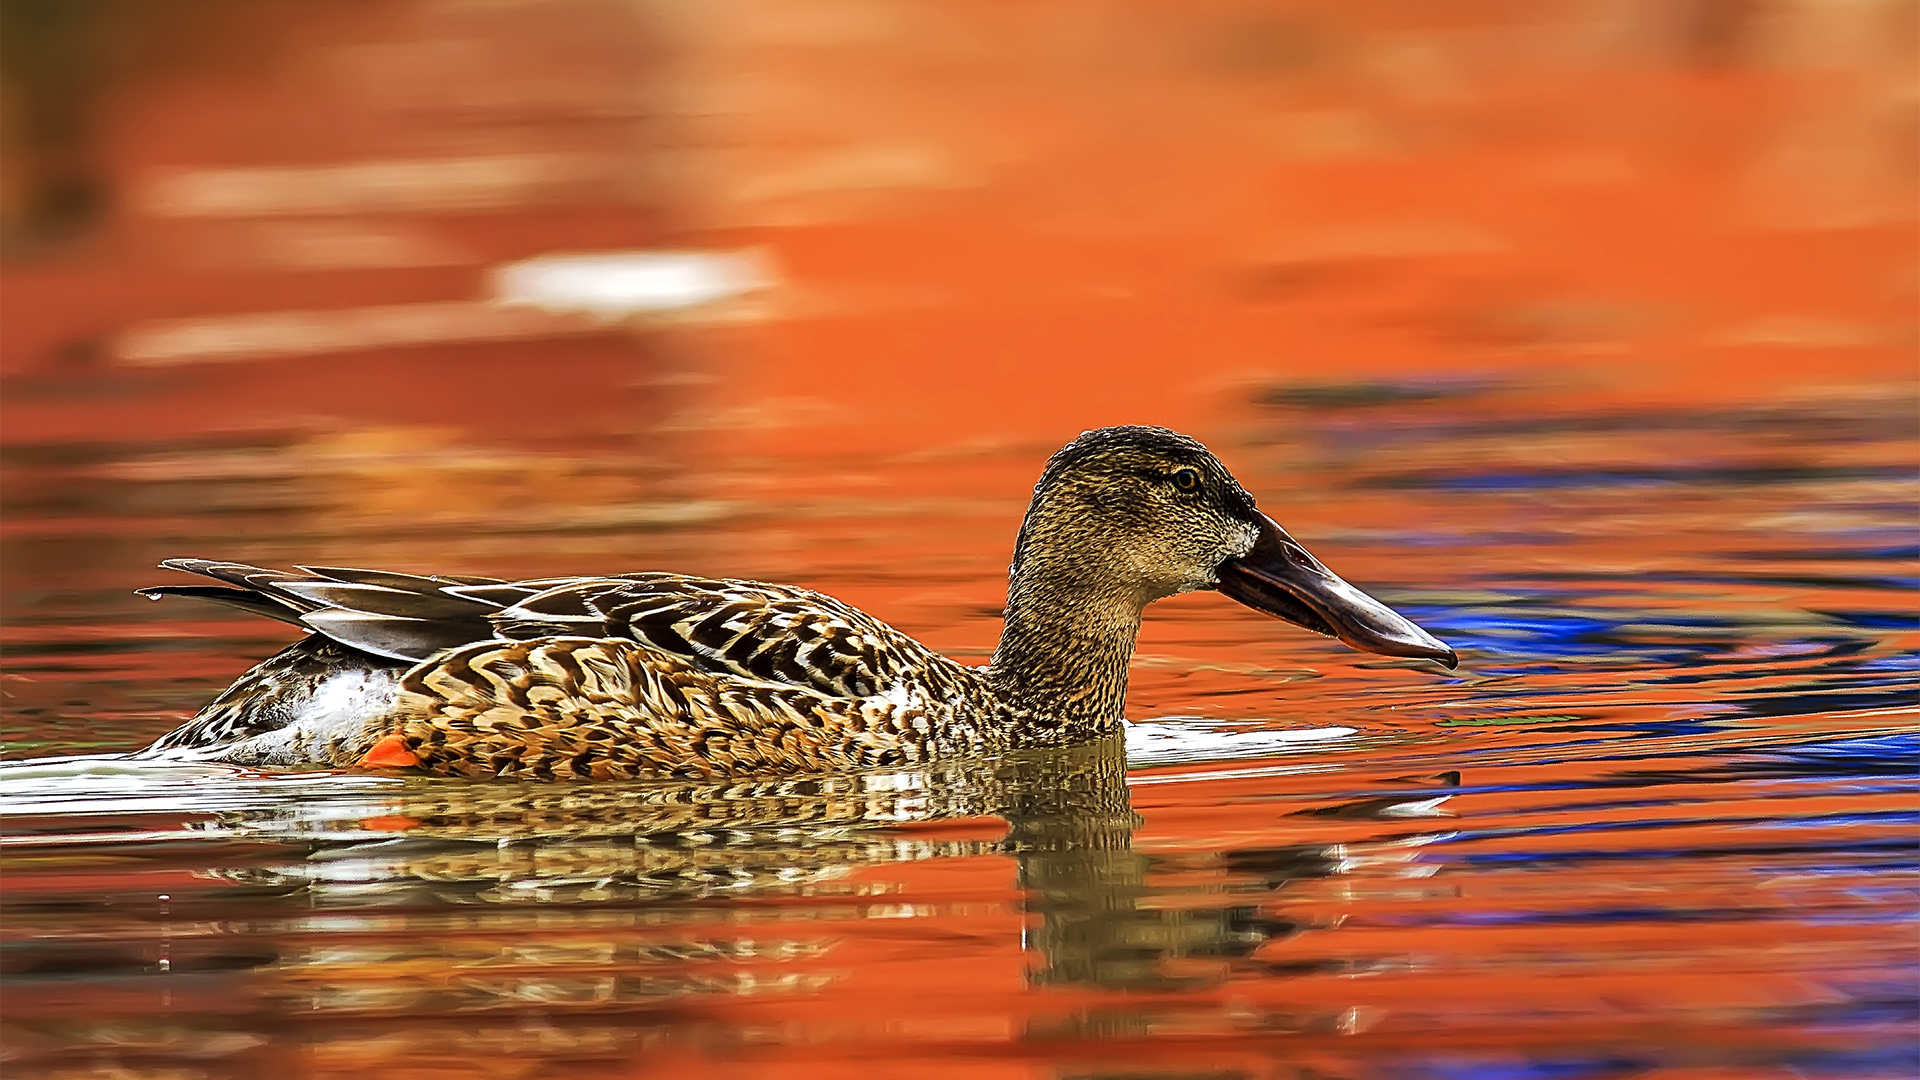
(770, 633)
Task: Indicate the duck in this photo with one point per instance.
(659, 675)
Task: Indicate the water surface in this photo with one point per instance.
(1659, 823)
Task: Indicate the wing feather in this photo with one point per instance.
(771, 633)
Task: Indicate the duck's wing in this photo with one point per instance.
(396, 616)
(769, 633)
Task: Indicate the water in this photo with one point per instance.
(1659, 823)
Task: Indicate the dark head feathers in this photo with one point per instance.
(1127, 440)
(1135, 449)
(1126, 446)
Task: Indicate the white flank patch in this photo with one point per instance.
(337, 710)
(901, 696)
(349, 698)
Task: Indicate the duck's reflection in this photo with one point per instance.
(488, 894)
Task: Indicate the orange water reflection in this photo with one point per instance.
(1583, 333)
(1293, 913)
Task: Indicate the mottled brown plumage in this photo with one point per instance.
(667, 675)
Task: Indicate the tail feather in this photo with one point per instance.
(396, 616)
(252, 578)
(428, 605)
(243, 599)
(391, 580)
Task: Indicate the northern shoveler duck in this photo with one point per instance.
(666, 675)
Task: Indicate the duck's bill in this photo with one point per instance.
(1280, 578)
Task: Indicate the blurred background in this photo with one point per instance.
(763, 287)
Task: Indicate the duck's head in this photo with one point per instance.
(1128, 515)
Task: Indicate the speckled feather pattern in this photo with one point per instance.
(600, 708)
(772, 633)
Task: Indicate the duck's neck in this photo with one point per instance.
(1062, 659)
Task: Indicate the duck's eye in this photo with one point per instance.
(1186, 479)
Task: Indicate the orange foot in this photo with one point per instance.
(389, 753)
